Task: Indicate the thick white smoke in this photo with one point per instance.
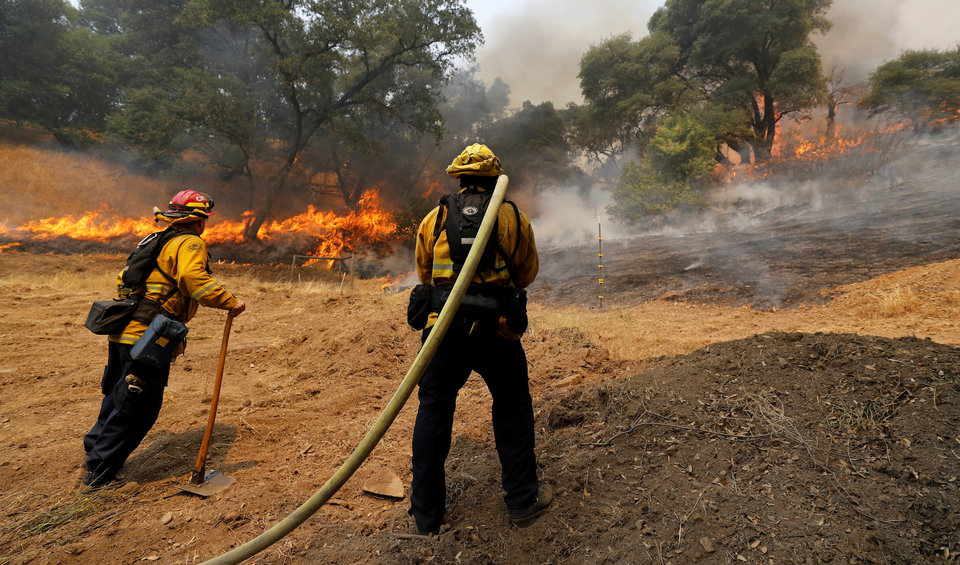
(867, 33)
(535, 45)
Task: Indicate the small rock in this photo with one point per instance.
(167, 518)
(131, 488)
(707, 544)
(74, 549)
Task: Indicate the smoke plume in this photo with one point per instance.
(535, 46)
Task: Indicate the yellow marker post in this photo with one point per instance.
(600, 259)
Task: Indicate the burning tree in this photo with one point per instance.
(737, 67)
(274, 76)
(745, 65)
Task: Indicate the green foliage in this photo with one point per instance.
(255, 86)
(742, 64)
(627, 85)
(752, 56)
(680, 159)
(922, 85)
(54, 73)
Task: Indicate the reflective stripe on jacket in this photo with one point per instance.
(434, 262)
(184, 258)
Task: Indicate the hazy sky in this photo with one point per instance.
(536, 45)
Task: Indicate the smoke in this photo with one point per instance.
(568, 216)
(867, 33)
(535, 46)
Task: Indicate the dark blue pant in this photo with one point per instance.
(125, 416)
(502, 364)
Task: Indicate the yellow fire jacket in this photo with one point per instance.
(434, 262)
(185, 259)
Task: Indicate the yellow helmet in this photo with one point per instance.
(475, 160)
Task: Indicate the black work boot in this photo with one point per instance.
(525, 516)
(93, 481)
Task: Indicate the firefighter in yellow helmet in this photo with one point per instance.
(178, 281)
(484, 337)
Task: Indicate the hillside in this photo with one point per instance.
(699, 416)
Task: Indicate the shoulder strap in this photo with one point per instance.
(438, 223)
(167, 235)
(452, 225)
(451, 222)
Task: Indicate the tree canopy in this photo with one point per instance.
(739, 65)
(258, 81)
(923, 86)
(54, 72)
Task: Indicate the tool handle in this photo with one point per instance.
(199, 470)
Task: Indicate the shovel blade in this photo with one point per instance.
(213, 482)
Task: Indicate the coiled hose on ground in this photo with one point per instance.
(390, 412)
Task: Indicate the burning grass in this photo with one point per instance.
(50, 195)
(45, 183)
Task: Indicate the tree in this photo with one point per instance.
(838, 93)
(748, 54)
(924, 86)
(627, 86)
(533, 146)
(54, 73)
(275, 76)
(679, 160)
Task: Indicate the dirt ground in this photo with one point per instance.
(807, 409)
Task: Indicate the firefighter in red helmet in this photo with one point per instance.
(179, 280)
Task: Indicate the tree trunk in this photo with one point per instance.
(262, 213)
(768, 128)
(831, 118)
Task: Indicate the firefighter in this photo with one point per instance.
(480, 339)
(133, 391)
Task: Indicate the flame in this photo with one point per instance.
(101, 225)
(334, 233)
(331, 234)
(7, 246)
(388, 282)
(821, 149)
(435, 186)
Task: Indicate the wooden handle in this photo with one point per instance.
(200, 468)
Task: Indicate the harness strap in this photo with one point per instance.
(148, 308)
(450, 222)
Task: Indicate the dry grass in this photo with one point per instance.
(898, 302)
(42, 183)
(311, 289)
(82, 278)
(67, 521)
(919, 302)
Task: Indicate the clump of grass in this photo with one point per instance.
(70, 511)
(898, 301)
(866, 416)
(95, 278)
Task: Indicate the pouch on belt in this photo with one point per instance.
(157, 344)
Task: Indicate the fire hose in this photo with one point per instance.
(390, 412)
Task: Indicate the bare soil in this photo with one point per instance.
(797, 446)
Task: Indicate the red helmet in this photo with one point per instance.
(190, 203)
